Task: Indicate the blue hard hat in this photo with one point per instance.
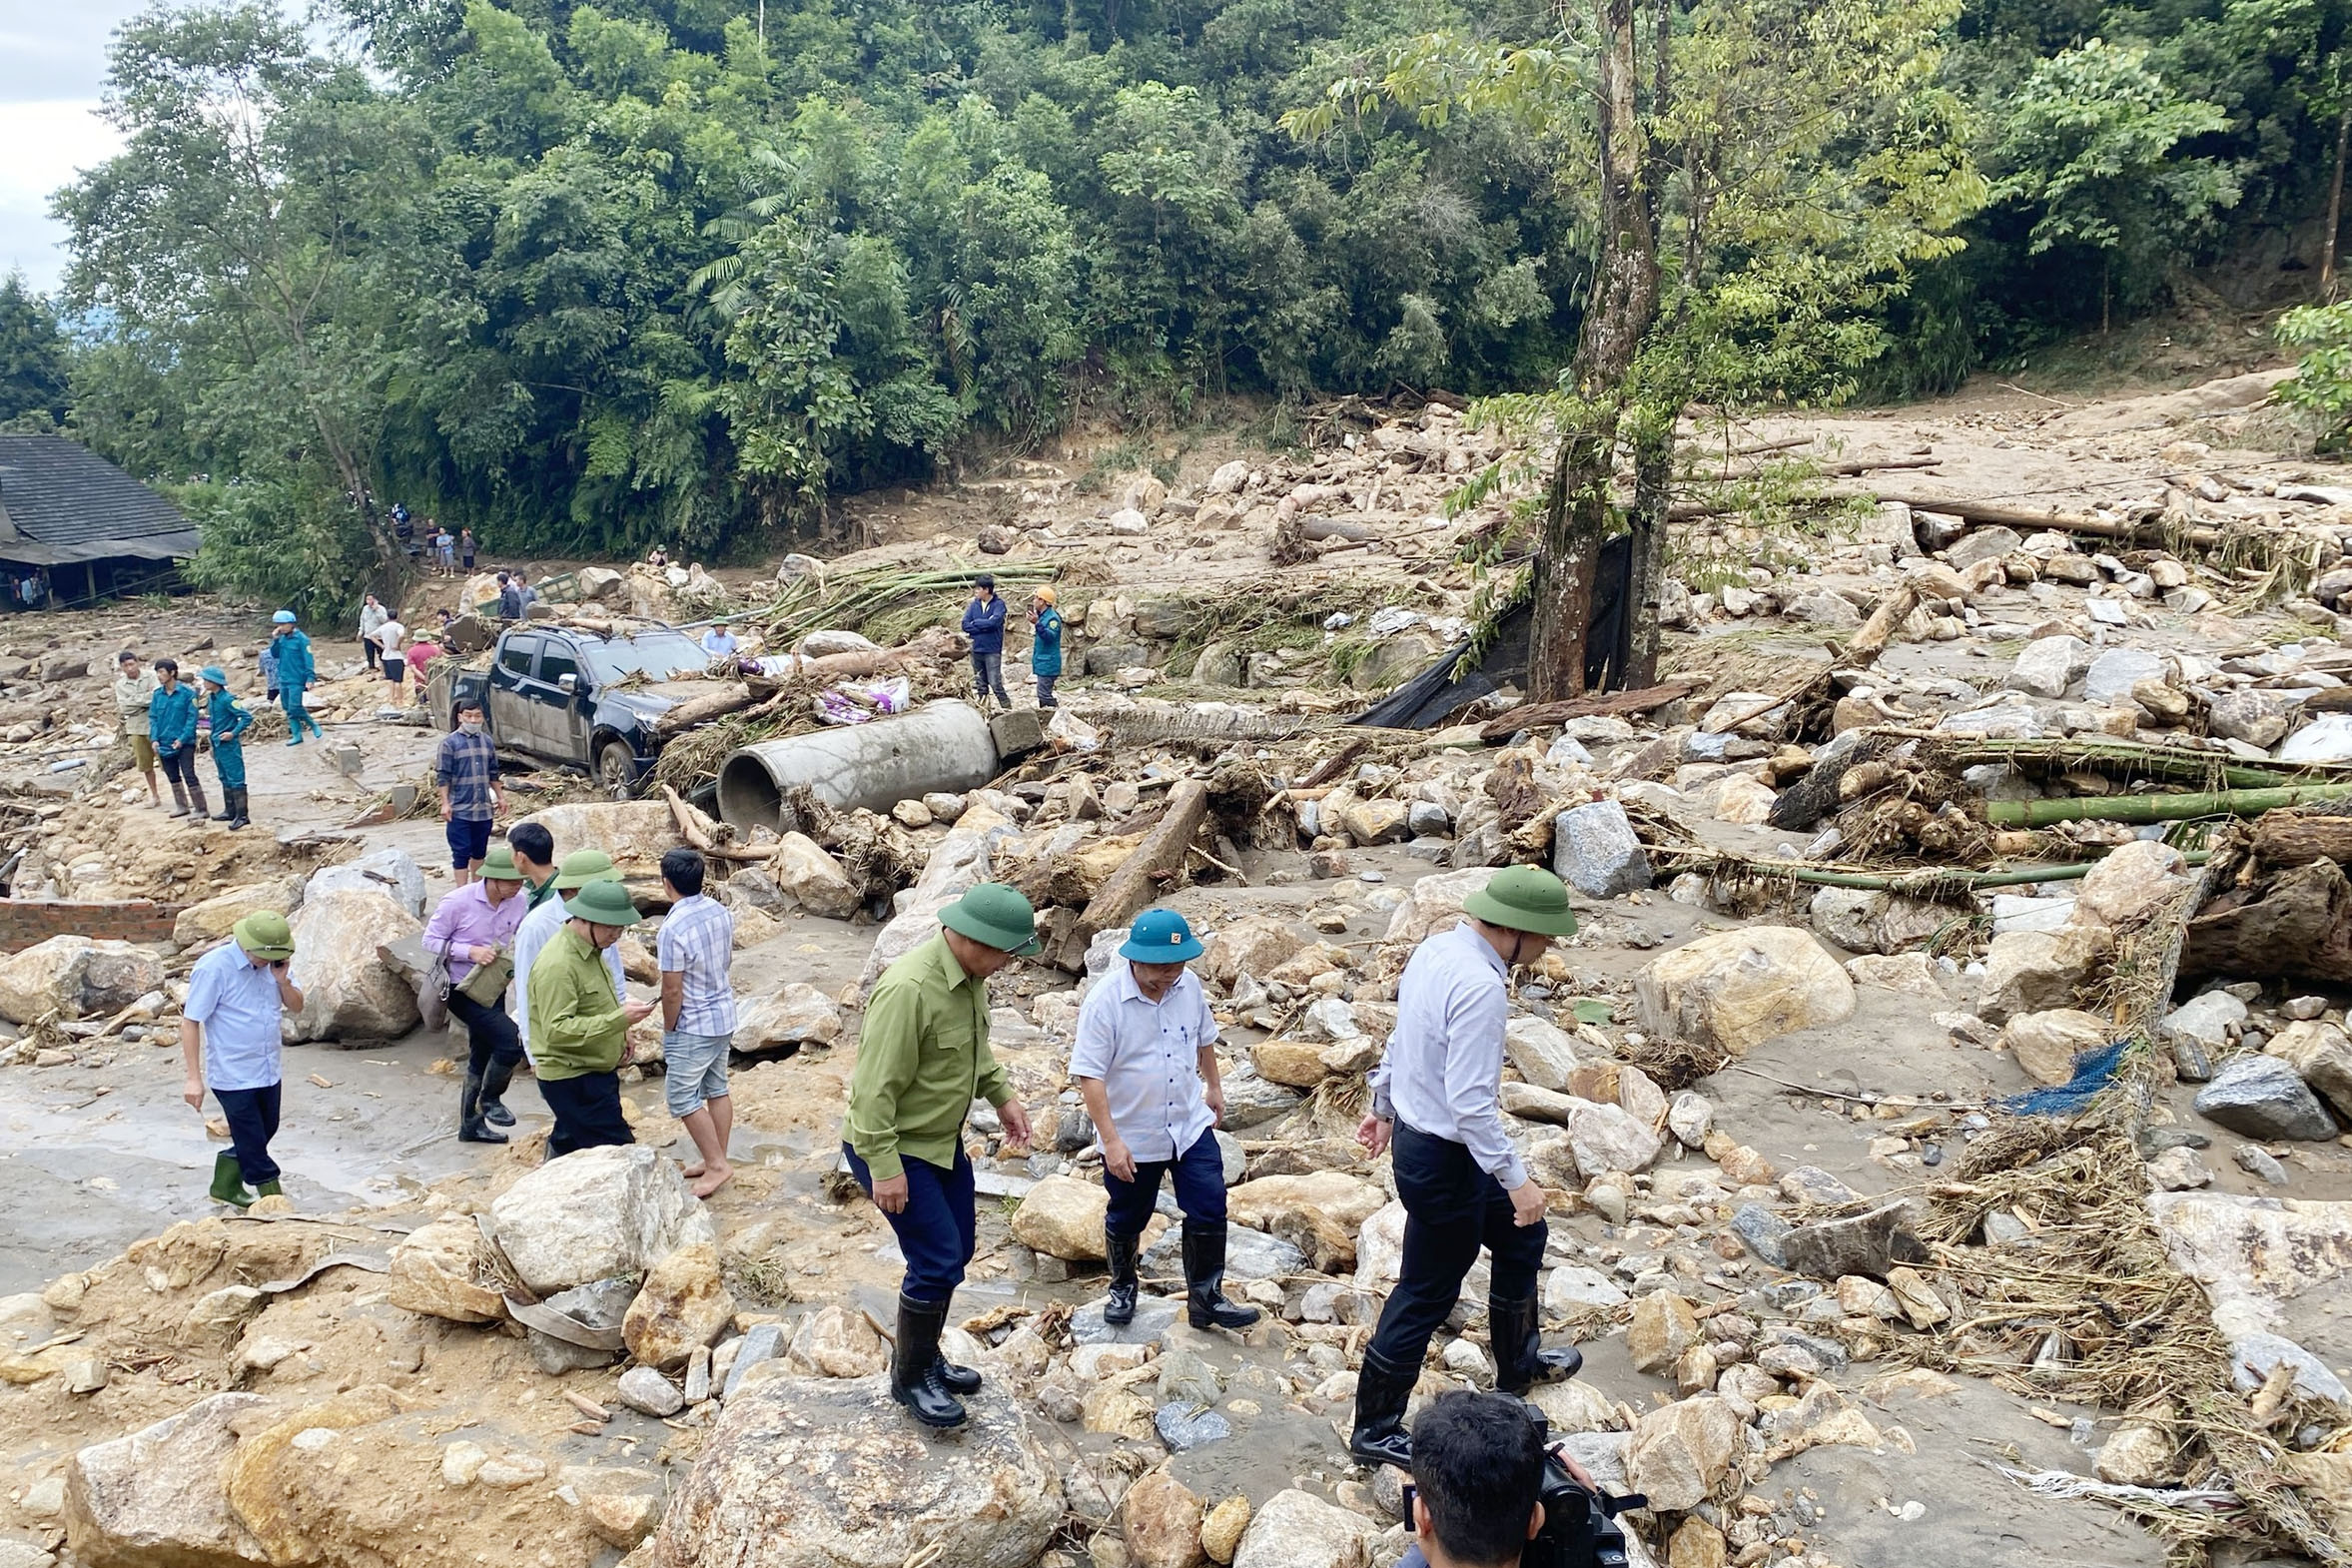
(1161, 936)
(283, 617)
(214, 673)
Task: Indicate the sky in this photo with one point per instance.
(52, 71)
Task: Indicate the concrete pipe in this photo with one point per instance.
(942, 745)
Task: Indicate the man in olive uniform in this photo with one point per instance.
(923, 1058)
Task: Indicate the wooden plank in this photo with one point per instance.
(1142, 877)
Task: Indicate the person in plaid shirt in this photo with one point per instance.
(696, 945)
(466, 770)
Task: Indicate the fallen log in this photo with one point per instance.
(695, 829)
(2292, 839)
(1320, 528)
(1868, 644)
(2156, 808)
(732, 697)
(1989, 513)
(1593, 705)
(2299, 927)
(1140, 878)
(1331, 766)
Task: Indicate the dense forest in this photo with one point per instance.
(591, 275)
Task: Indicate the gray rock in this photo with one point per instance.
(1765, 1232)
(1427, 816)
(600, 1304)
(1251, 1100)
(2206, 1020)
(1249, 1255)
(2049, 665)
(1812, 1184)
(2018, 720)
(2258, 1162)
(1864, 1244)
(646, 1391)
(763, 1342)
(2254, 1355)
(1571, 1288)
(1186, 1379)
(1594, 851)
(2264, 1098)
(1155, 1315)
(2113, 674)
(2258, 718)
(1602, 1455)
(1183, 1427)
(1236, 1164)
(1982, 545)
(1825, 609)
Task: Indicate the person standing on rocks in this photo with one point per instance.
(984, 624)
(580, 1022)
(1145, 1061)
(1045, 649)
(694, 949)
(229, 1042)
(474, 926)
(171, 726)
(923, 1058)
(373, 615)
(297, 669)
(134, 691)
(228, 724)
(1436, 1093)
(465, 770)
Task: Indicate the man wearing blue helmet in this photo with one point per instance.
(290, 652)
(1145, 1061)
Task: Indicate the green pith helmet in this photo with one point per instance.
(1524, 898)
(498, 865)
(602, 902)
(994, 916)
(581, 867)
(264, 935)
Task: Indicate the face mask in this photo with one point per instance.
(470, 726)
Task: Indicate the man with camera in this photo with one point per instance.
(1485, 1494)
(1436, 1096)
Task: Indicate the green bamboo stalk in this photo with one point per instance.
(1956, 881)
(2156, 808)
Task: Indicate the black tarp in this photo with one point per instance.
(1437, 693)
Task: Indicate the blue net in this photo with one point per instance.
(2093, 1070)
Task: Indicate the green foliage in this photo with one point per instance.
(2322, 383)
(32, 357)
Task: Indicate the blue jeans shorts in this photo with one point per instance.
(694, 1068)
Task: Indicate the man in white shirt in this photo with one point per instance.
(1145, 1061)
(390, 637)
(695, 950)
(229, 1044)
(1436, 1092)
(574, 872)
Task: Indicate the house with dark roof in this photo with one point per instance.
(92, 528)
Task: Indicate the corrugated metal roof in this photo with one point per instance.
(58, 495)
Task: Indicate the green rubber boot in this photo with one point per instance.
(228, 1181)
(270, 1188)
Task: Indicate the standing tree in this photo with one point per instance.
(32, 357)
(1762, 174)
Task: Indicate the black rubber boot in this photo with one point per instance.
(196, 802)
(494, 1083)
(1205, 1278)
(956, 1380)
(228, 811)
(179, 799)
(1381, 1394)
(914, 1365)
(1520, 1360)
(240, 808)
(1119, 1310)
(228, 1181)
(472, 1129)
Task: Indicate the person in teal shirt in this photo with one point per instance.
(171, 725)
(296, 670)
(229, 722)
(1045, 651)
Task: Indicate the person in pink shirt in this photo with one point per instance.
(419, 654)
(473, 926)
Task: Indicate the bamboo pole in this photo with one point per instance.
(2156, 808)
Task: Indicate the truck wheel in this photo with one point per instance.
(616, 770)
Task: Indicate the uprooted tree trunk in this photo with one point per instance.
(1143, 877)
(2297, 926)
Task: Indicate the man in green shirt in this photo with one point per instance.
(923, 1058)
(580, 1025)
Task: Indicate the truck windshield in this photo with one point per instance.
(650, 655)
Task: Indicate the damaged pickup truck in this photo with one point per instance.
(563, 696)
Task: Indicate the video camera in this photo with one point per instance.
(1579, 1522)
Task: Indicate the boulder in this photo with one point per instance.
(1595, 851)
(2131, 879)
(813, 879)
(208, 920)
(1160, 1519)
(2034, 971)
(2138, 1454)
(1679, 1454)
(1543, 1053)
(390, 871)
(2206, 1020)
(74, 977)
(1379, 821)
(1739, 799)
(2264, 1098)
(158, 1498)
(793, 1015)
(1222, 1528)
(2045, 1043)
(1379, 1250)
(348, 992)
(801, 1472)
(1062, 1216)
(837, 1342)
(1863, 921)
(636, 833)
(445, 1270)
(597, 583)
(2321, 1054)
(647, 1392)
(1608, 1137)
(1863, 1244)
(1296, 1063)
(1735, 989)
(1297, 1529)
(1273, 1203)
(1661, 1329)
(2259, 718)
(2108, 682)
(2049, 665)
(595, 1214)
(1435, 903)
(1976, 544)
(682, 1307)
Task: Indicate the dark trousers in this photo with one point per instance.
(1452, 1208)
(587, 1109)
(1045, 691)
(493, 1038)
(252, 1121)
(936, 1231)
(1200, 1187)
(179, 766)
(987, 674)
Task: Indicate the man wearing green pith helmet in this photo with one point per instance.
(229, 1041)
(923, 1058)
(1436, 1099)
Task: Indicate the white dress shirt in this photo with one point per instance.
(1148, 1055)
(1442, 1073)
(538, 928)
